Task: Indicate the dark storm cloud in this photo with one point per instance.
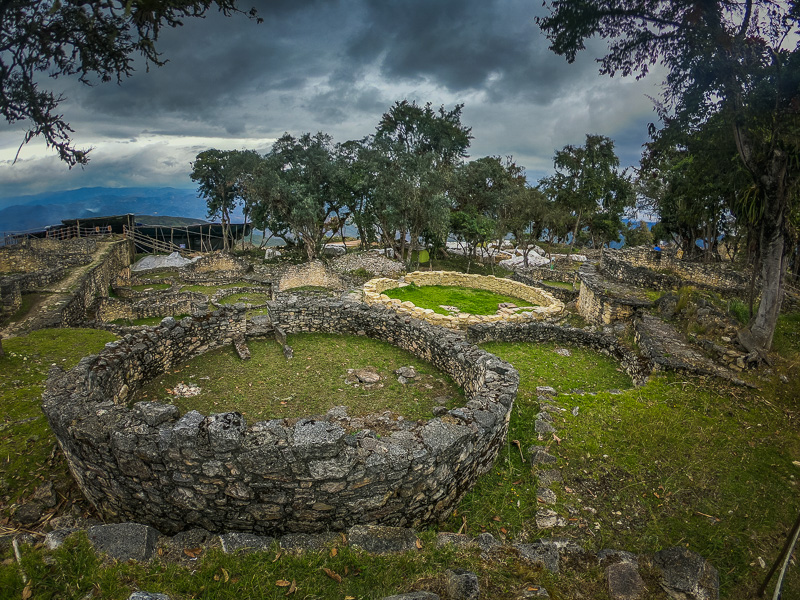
(336, 66)
(463, 45)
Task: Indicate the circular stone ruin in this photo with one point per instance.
(149, 464)
(548, 305)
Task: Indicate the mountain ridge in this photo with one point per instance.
(37, 211)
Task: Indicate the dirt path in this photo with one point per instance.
(46, 308)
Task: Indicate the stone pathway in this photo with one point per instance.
(46, 312)
(678, 571)
(667, 349)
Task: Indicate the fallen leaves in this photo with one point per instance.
(332, 574)
(193, 552)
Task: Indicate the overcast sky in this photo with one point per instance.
(336, 66)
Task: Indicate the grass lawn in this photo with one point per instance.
(468, 300)
(27, 446)
(269, 387)
(680, 461)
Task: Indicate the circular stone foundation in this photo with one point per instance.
(548, 305)
(151, 465)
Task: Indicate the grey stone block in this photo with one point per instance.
(624, 582)
(124, 541)
(414, 596)
(378, 539)
(244, 542)
(686, 575)
(302, 542)
(462, 585)
(538, 553)
(55, 538)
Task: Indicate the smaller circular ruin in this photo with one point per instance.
(149, 464)
(547, 305)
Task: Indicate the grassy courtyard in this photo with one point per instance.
(467, 300)
(269, 387)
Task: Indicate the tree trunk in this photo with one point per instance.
(575, 231)
(772, 242)
(773, 274)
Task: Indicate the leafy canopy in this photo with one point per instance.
(95, 41)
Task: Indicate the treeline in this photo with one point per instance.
(409, 183)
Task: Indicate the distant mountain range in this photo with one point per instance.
(23, 213)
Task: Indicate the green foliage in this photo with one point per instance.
(223, 177)
(60, 38)
(412, 158)
(468, 300)
(638, 235)
(740, 310)
(297, 190)
(589, 186)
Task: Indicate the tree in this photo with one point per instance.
(638, 234)
(417, 149)
(221, 175)
(588, 184)
(524, 217)
(696, 183)
(737, 59)
(95, 41)
(481, 188)
(297, 188)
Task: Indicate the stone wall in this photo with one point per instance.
(533, 279)
(95, 283)
(605, 301)
(220, 264)
(156, 305)
(539, 274)
(637, 367)
(664, 271)
(547, 305)
(36, 254)
(151, 465)
(312, 274)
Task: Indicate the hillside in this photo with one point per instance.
(22, 213)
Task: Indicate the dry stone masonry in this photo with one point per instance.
(149, 464)
(546, 305)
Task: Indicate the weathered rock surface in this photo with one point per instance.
(686, 575)
(377, 539)
(462, 585)
(124, 541)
